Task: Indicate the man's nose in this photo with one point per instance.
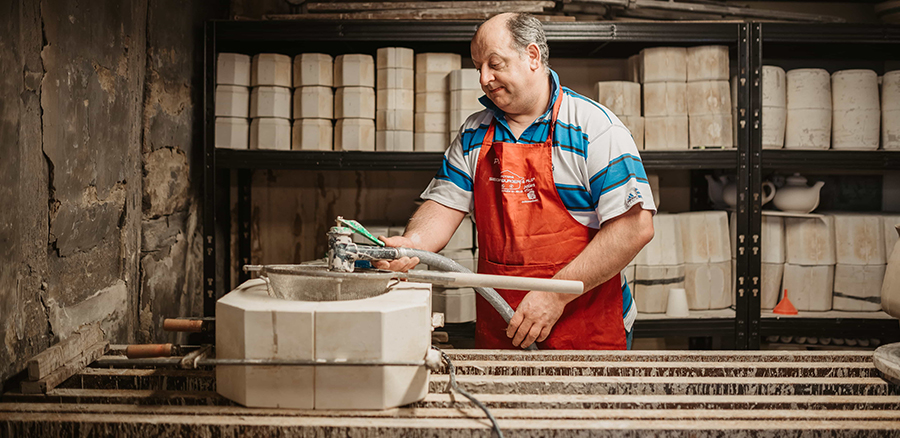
(486, 77)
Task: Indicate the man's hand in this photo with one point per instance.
(402, 264)
(535, 317)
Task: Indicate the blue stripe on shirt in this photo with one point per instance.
(575, 198)
(626, 297)
(617, 173)
(449, 172)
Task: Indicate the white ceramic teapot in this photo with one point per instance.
(796, 196)
(715, 187)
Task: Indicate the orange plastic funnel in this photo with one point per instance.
(785, 307)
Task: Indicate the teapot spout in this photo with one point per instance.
(818, 185)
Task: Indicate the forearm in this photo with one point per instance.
(432, 226)
(611, 249)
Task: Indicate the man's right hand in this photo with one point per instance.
(402, 264)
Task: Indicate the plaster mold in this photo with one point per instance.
(270, 102)
(773, 86)
(810, 241)
(271, 69)
(437, 62)
(430, 142)
(394, 326)
(394, 141)
(809, 286)
(438, 82)
(432, 122)
(770, 280)
(708, 97)
(621, 97)
(354, 70)
(708, 285)
(710, 131)
(395, 98)
(313, 69)
(394, 78)
(270, 133)
(666, 246)
(232, 101)
(354, 135)
(394, 120)
(465, 79)
(354, 102)
(808, 88)
(705, 236)
(635, 125)
(664, 64)
(457, 305)
(666, 133)
(856, 129)
(707, 63)
(394, 57)
(652, 284)
(233, 69)
(232, 132)
(807, 128)
(774, 121)
(313, 102)
(665, 99)
(859, 239)
(312, 135)
(466, 100)
(858, 288)
(432, 102)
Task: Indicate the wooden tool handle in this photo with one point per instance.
(138, 351)
(183, 325)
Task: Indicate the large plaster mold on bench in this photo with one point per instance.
(392, 327)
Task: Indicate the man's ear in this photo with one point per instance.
(534, 56)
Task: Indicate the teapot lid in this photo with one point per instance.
(796, 179)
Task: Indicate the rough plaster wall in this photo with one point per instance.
(72, 81)
(23, 188)
(171, 245)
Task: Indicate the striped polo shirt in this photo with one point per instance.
(597, 169)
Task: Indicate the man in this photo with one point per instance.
(557, 189)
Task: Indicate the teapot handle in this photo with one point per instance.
(771, 195)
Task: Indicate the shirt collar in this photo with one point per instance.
(500, 116)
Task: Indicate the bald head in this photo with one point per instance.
(520, 30)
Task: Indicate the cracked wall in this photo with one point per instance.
(99, 124)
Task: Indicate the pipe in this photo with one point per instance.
(444, 264)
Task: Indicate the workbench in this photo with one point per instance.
(551, 394)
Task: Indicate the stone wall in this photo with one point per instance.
(99, 124)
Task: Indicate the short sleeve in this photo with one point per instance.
(452, 186)
(618, 180)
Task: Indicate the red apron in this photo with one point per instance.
(524, 229)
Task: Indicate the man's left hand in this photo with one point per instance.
(535, 317)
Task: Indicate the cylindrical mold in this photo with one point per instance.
(774, 121)
(354, 102)
(808, 88)
(622, 97)
(854, 89)
(664, 64)
(232, 132)
(354, 135)
(807, 128)
(773, 86)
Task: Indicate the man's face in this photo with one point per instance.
(506, 75)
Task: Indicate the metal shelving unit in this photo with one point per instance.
(862, 46)
(579, 39)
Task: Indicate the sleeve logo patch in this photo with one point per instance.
(633, 197)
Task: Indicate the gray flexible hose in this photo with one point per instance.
(444, 264)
